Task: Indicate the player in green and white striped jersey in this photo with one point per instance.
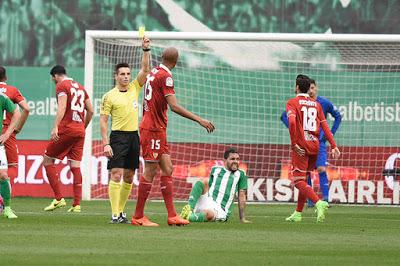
(212, 199)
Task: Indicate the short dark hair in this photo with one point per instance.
(58, 69)
(228, 152)
(120, 65)
(2, 73)
(312, 81)
(303, 82)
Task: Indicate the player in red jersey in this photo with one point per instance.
(11, 144)
(6, 106)
(68, 135)
(305, 119)
(159, 94)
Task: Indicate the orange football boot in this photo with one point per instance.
(144, 221)
(177, 220)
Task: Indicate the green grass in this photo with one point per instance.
(350, 236)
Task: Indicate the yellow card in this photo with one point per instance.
(141, 31)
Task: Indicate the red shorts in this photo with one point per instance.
(70, 146)
(153, 144)
(303, 164)
(11, 151)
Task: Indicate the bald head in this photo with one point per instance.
(170, 57)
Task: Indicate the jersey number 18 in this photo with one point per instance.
(309, 118)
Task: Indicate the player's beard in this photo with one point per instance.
(233, 167)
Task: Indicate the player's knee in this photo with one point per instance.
(210, 215)
(149, 174)
(116, 175)
(128, 176)
(75, 164)
(299, 175)
(168, 170)
(3, 175)
(205, 185)
(47, 160)
(321, 169)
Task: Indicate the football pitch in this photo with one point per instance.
(350, 236)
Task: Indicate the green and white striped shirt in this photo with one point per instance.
(224, 184)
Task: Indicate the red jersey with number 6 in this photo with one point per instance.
(14, 95)
(159, 85)
(308, 114)
(73, 122)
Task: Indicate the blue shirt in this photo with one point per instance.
(327, 107)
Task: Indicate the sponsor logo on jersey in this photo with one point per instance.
(155, 155)
(307, 102)
(309, 137)
(169, 82)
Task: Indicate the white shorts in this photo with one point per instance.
(207, 203)
(3, 158)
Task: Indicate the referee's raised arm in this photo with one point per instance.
(145, 66)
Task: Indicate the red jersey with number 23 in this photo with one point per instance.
(159, 85)
(73, 122)
(308, 114)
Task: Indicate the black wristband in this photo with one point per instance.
(146, 49)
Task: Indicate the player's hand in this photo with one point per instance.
(300, 151)
(16, 131)
(207, 125)
(54, 134)
(244, 221)
(4, 137)
(145, 43)
(108, 151)
(335, 153)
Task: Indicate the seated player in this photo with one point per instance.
(211, 199)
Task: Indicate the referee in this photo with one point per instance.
(123, 146)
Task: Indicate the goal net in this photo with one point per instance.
(241, 82)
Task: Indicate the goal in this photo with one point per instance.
(241, 82)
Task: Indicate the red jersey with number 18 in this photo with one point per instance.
(308, 114)
(159, 85)
(73, 122)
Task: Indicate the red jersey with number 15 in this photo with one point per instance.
(159, 85)
(14, 95)
(308, 114)
(73, 122)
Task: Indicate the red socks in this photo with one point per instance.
(77, 186)
(305, 191)
(166, 190)
(143, 193)
(301, 200)
(52, 175)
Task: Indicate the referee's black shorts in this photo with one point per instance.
(126, 150)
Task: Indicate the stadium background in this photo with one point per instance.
(35, 34)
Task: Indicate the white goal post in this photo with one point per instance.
(241, 82)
